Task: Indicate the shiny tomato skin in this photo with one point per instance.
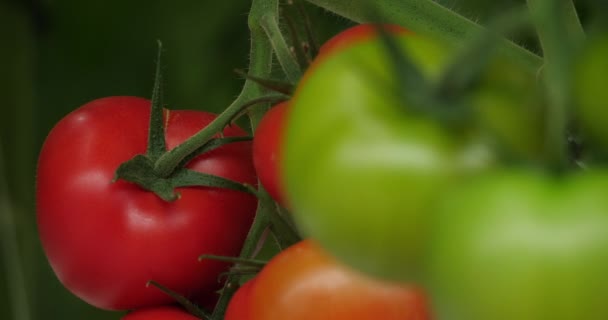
(304, 282)
(267, 151)
(105, 240)
(159, 313)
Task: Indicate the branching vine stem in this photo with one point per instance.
(261, 54)
(284, 55)
(260, 65)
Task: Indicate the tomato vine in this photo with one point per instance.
(476, 43)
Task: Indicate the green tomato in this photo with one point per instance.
(522, 246)
(361, 170)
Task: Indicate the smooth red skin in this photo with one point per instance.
(106, 240)
(239, 307)
(267, 151)
(303, 282)
(357, 34)
(159, 313)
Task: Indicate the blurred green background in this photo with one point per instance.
(56, 55)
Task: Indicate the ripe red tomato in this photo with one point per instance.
(355, 34)
(159, 313)
(267, 150)
(106, 240)
(303, 282)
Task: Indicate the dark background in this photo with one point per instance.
(56, 55)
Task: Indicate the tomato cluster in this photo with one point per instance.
(472, 208)
(408, 211)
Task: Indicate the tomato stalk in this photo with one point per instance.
(559, 31)
(156, 136)
(261, 66)
(286, 58)
(141, 169)
(270, 34)
(271, 84)
(424, 17)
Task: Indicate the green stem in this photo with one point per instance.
(168, 162)
(285, 57)
(156, 134)
(424, 17)
(261, 66)
(559, 31)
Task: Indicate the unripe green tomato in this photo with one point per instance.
(519, 245)
(361, 170)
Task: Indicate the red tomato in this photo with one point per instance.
(355, 34)
(267, 150)
(239, 307)
(159, 313)
(106, 240)
(303, 282)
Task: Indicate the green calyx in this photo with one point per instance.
(143, 170)
(140, 170)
